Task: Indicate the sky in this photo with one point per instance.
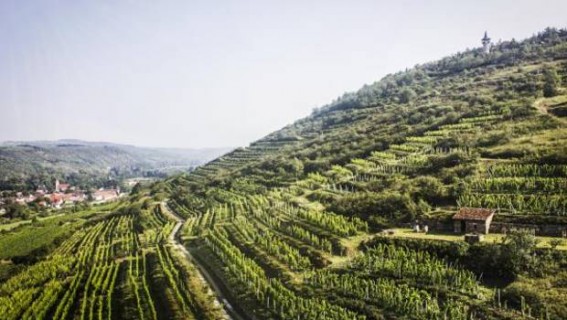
(197, 74)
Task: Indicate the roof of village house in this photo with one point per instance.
(480, 214)
(106, 192)
(56, 197)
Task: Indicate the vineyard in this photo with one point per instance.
(525, 189)
(286, 260)
(286, 257)
(301, 224)
(121, 256)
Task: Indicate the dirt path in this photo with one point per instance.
(229, 311)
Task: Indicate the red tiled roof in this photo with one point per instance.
(480, 214)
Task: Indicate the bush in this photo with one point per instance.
(393, 205)
(407, 95)
(429, 188)
(451, 251)
(551, 82)
(541, 295)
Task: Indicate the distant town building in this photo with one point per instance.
(63, 195)
(486, 44)
(23, 199)
(73, 197)
(103, 195)
(56, 200)
(475, 220)
(61, 187)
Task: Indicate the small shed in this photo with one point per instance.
(473, 220)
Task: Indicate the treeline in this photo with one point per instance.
(405, 86)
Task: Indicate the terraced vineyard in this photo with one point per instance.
(286, 261)
(520, 189)
(119, 267)
(293, 232)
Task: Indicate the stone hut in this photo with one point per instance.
(473, 220)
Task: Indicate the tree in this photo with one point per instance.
(295, 167)
(147, 204)
(15, 210)
(554, 243)
(519, 251)
(407, 95)
(429, 188)
(136, 189)
(551, 82)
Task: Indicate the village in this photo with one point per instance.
(63, 195)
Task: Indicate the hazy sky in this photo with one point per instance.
(219, 73)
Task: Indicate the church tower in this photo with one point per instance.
(485, 43)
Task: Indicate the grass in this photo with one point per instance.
(95, 208)
(502, 74)
(28, 236)
(542, 104)
(352, 244)
(311, 205)
(10, 226)
(493, 237)
(536, 143)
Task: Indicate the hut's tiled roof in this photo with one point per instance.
(480, 214)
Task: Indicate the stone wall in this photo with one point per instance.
(554, 230)
(439, 225)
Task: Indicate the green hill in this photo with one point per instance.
(29, 165)
(438, 135)
(474, 129)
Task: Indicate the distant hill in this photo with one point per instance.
(31, 164)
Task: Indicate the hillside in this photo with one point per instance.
(429, 136)
(313, 221)
(470, 130)
(28, 165)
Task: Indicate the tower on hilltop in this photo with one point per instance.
(485, 43)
